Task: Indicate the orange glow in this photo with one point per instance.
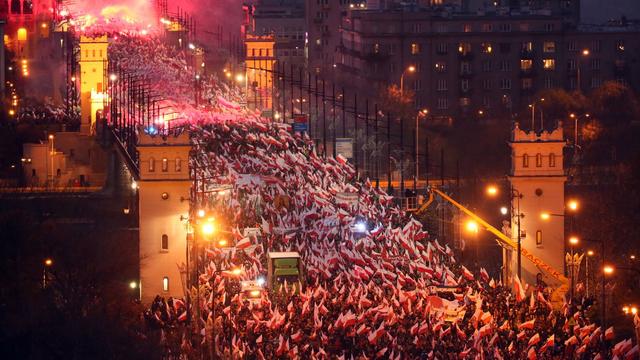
(48, 262)
(574, 240)
(492, 190)
(573, 205)
(608, 269)
(22, 34)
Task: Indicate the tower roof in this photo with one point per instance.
(519, 135)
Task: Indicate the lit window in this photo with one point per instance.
(464, 48)
(539, 238)
(441, 67)
(526, 64)
(527, 46)
(165, 164)
(549, 64)
(152, 164)
(165, 284)
(466, 28)
(376, 48)
(549, 47)
(415, 49)
(486, 48)
(178, 165)
(552, 160)
(525, 160)
(538, 160)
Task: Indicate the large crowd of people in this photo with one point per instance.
(375, 283)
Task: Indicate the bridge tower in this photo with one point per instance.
(93, 65)
(537, 174)
(163, 195)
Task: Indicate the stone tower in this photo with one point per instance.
(93, 65)
(164, 189)
(537, 174)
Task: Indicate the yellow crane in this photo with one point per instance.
(561, 282)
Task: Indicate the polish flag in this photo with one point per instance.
(243, 244)
(505, 325)
(531, 354)
(632, 354)
(374, 336)
(518, 288)
(535, 339)
(296, 337)
(527, 325)
(484, 275)
(609, 334)
(467, 274)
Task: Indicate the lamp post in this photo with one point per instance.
(422, 112)
(606, 270)
(584, 53)
(409, 69)
(514, 194)
(590, 253)
(573, 241)
(575, 127)
(48, 262)
(51, 154)
(533, 114)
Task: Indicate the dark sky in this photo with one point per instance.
(599, 11)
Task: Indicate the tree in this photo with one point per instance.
(396, 102)
(614, 103)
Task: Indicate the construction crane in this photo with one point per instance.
(560, 281)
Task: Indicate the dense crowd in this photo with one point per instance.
(367, 290)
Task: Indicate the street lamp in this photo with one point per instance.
(409, 69)
(590, 253)
(504, 210)
(48, 262)
(533, 114)
(575, 127)
(52, 153)
(573, 241)
(423, 112)
(584, 53)
(472, 226)
(514, 194)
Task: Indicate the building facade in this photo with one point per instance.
(484, 65)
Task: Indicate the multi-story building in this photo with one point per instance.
(285, 21)
(489, 63)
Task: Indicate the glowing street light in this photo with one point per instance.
(410, 69)
(201, 213)
(133, 285)
(545, 216)
(492, 190)
(113, 77)
(504, 210)
(134, 185)
(208, 228)
(239, 78)
(48, 261)
(608, 269)
(574, 240)
(573, 205)
(472, 226)
(590, 253)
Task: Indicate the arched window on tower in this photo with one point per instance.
(27, 7)
(15, 6)
(538, 160)
(165, 164)
(525, 160)
(164, 244)
(552, 160)
(178, 165)
(152, 164)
